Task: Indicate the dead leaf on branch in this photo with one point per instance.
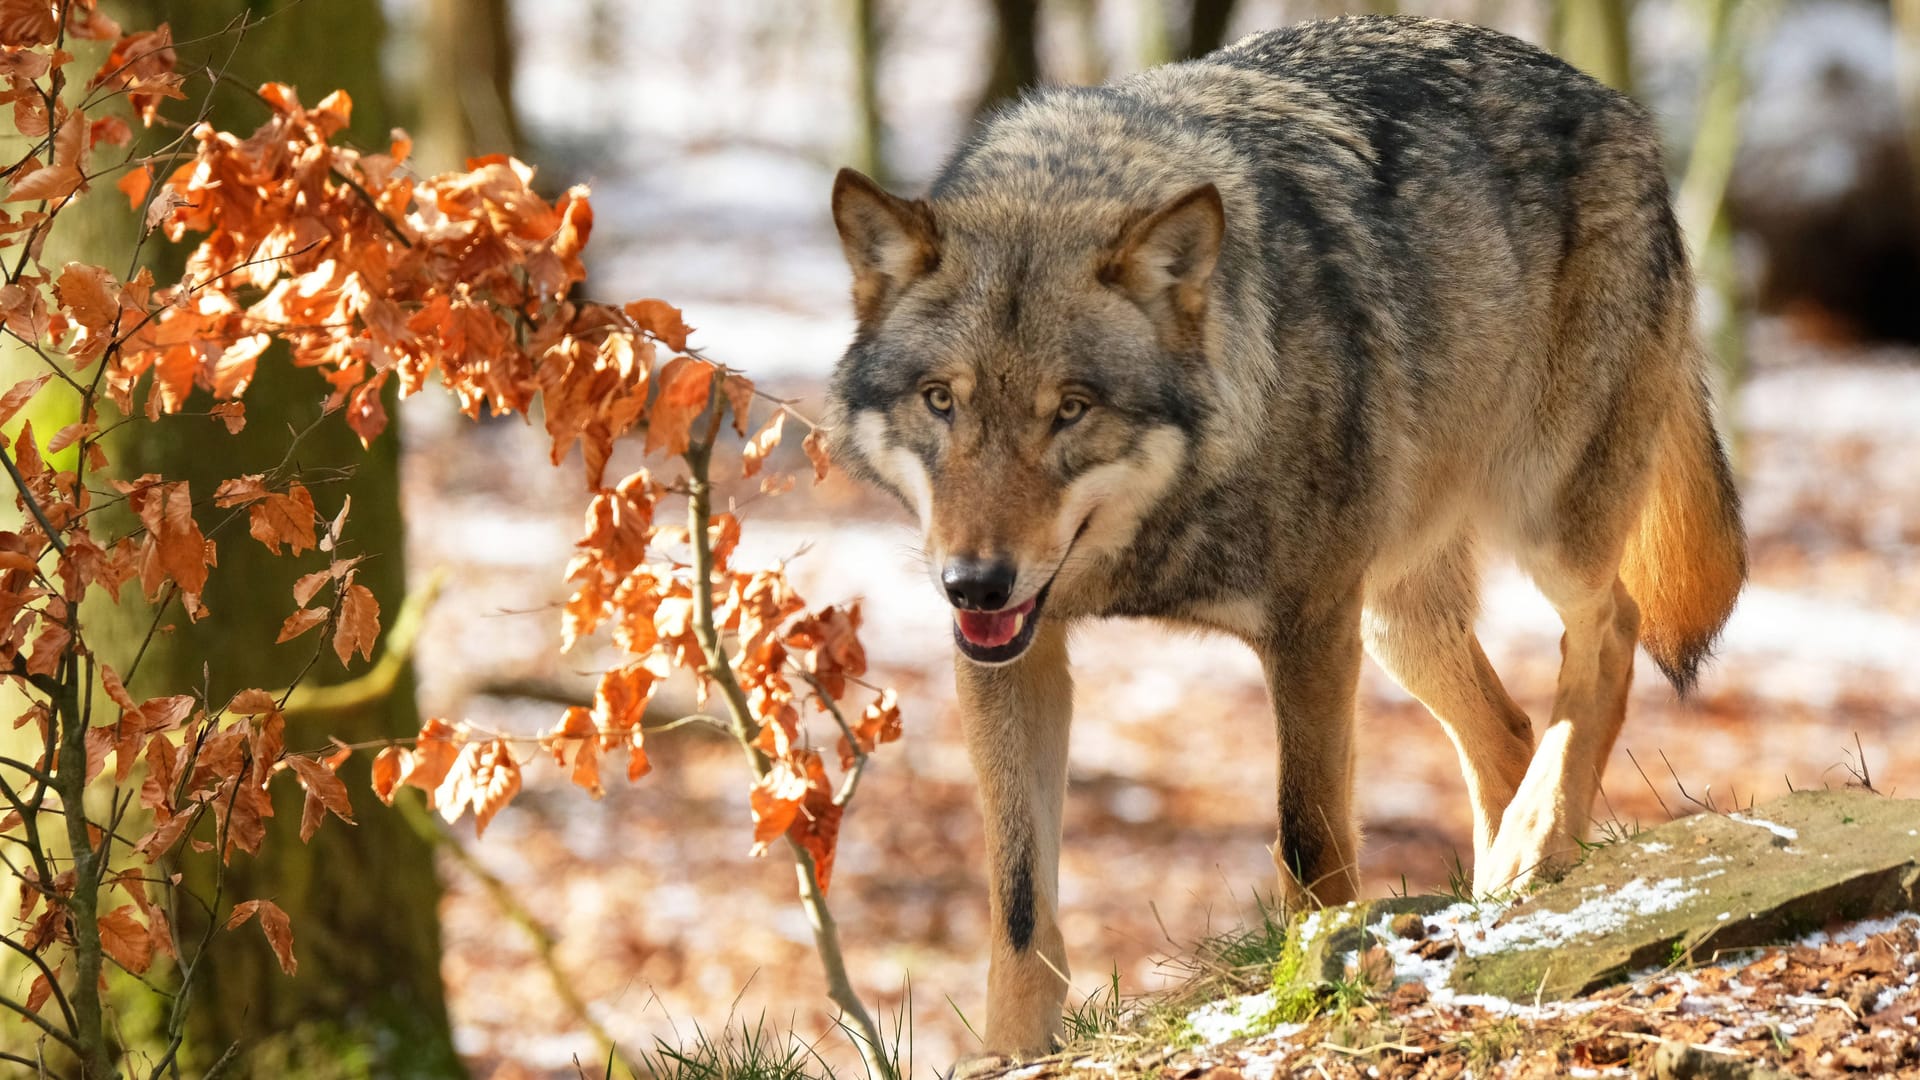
(359, 624)
(283, 519)
(300, 622)
(325, 794)
(274, 924)
(661, 320)
(125, 938)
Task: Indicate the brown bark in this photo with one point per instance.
(363, 899)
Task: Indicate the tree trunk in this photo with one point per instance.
(870, 151)
(1207, 27)
(1016, 55)
(1592, 36)
(465, 100)
(363, 899)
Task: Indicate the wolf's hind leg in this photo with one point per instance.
(1549, 815)
(1016, 720)
(1313, 668)
(1420, 629)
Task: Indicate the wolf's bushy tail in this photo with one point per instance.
(1687, 558)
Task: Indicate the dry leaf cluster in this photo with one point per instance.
(377, 278)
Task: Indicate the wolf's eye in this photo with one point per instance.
(1071, 409)
(939, 399)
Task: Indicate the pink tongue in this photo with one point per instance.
(991, 629)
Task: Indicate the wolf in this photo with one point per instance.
(1274, 343)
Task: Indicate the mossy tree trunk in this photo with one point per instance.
(1592, 35)
(363, 899)
(465, 100)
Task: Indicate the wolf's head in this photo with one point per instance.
(1028, 379)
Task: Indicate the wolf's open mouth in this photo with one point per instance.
(995, 637)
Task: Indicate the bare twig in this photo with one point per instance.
(33, 504)
(826, 934)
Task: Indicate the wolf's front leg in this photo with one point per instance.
(1312, 662)
(1016, 719)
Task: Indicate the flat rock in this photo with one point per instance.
(1331, 936)
(1699, 886)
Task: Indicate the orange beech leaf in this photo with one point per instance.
(815, 444)
(26, 23)
(333, 113)
(325, 793)
(387, 768)
(300, 622)
(266, 741)
(231, 413)
(135, 186)
(142, 65)
(309, 585)
(685, 384)
(274, 924)
(774, 800)
(156, 791)
(42, 988)
(253, 703)
(125, 938)
(21, 393)
(575, 746)
(174, 546)
(47, 184)
(879, 724)
(435, 752)
(159, 713)
(70, 142)
(49, 647)
(366, 413)
(288, 519)
(739, 393)
(620, 700)
(661, 320)
(359, 624)
(234, 371)
(110, 130)
(240, 490)
(816, 827)
(69, 435)
(486, 778)
(89, 295)
(754, 454)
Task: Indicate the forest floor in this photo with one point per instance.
(713, 194)
(664, 923)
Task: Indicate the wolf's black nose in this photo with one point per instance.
(977, 584)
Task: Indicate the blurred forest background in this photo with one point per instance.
(710, 133)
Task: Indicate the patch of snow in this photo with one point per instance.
(1237, 1018)
(1860, 931)
(1601, 915)
(1780, 831)
(1654, 847)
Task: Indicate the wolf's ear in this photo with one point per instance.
(889, 241)
(1165, 260)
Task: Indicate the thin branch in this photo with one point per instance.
(33, 504)
(851, 782)
(59, 994)
(42, 1023)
